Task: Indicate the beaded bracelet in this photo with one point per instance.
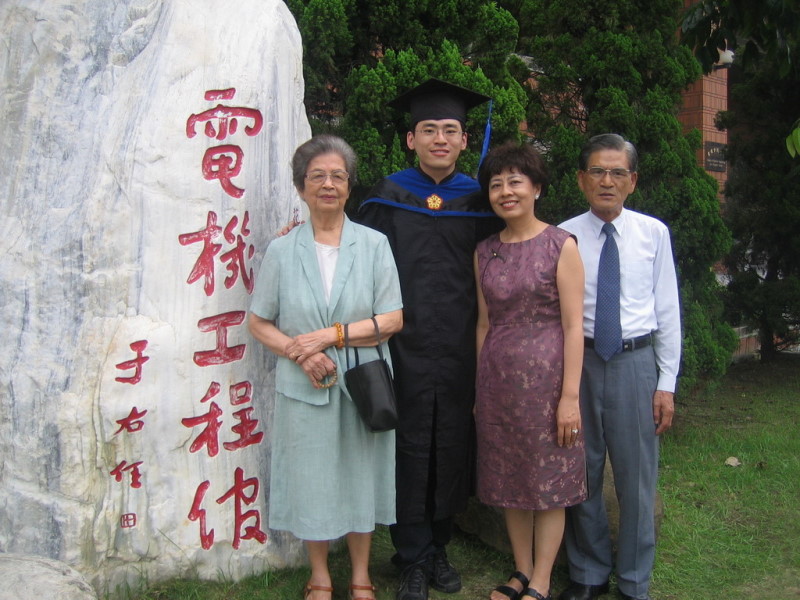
(339, 334)
(330, 382)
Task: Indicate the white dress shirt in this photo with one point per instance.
(649, 289)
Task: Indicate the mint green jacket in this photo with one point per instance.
(289, 291)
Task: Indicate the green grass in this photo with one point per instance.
(728, 532)
(732, 532)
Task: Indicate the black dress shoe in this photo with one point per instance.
(443, 575)
(580, 591)
(626, 597)
(413, 583)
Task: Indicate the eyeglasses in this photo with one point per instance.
(337, 177)
(432, 132)
(617, 174)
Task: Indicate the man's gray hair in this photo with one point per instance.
(608, 141)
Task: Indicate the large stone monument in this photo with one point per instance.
(145, 150)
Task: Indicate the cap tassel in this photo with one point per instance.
(487, 134)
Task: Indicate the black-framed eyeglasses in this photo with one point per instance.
(448, 132)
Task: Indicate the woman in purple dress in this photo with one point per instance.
(530, 351)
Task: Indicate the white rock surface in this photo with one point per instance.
(28, 577)
(103, 138)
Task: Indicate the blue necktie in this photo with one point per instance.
(607, 328)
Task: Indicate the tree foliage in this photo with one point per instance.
(758, 31)
(762, 207)
(342, 35)
(768, 30)
(569, 69)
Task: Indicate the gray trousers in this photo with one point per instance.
(616, 400)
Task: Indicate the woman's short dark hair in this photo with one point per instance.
(523, 158)
(608, 141)
(317, 146)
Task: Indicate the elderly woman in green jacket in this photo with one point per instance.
(331, 476)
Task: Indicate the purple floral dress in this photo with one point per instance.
(520, 370)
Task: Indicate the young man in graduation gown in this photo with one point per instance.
(433, 216)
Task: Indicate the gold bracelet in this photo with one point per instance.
(339, 334)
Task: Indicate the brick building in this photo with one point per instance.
(701, 103)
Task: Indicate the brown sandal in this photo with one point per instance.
(354, 587)
(315, 588)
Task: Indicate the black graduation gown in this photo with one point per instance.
(433, 230)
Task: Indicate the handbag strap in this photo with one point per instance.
(355, 350)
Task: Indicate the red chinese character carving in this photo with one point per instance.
(219, 164)
(204, 266)
(133, 422)
(210, 435)
(225, 94)
(224, 162)
(244, 430)
(212, 391)
(127, 521)
(241, 393)
(236, 256)
(222, 354)
(196, 513)
(136, 476)
(225, 116)
(134, 363)
(239, 493)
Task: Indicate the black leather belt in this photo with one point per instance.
(643, 341)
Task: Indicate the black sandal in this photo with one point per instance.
(534, 594)
(510, 592)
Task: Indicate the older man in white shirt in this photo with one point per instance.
(629, 372)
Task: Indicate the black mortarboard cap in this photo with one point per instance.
(436, 99)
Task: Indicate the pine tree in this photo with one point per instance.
(762, 206)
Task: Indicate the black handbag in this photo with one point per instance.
(371, 387)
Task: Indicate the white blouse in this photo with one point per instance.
(326, 258)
